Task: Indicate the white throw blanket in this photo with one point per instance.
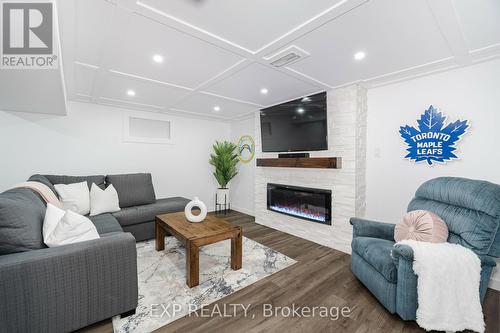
(448, 286)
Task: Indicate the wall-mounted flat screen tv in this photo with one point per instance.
(298, 125)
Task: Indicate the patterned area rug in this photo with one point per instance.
(164, 295)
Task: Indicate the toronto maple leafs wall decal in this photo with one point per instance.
(433, 141)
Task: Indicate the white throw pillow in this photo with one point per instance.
(66, 227)
(53, 215)
(75, 197)
(103, 201)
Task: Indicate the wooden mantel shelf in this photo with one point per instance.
(311, 162)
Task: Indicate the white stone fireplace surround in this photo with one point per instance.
(346, 139)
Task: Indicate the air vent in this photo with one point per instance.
(287, 56)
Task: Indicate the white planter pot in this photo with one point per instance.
(192, 204)
(222, 196)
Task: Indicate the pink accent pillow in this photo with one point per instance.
(423, 226)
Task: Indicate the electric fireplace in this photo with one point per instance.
(302, 202)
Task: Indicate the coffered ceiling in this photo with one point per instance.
(213, 56)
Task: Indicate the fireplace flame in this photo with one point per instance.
(304, 213)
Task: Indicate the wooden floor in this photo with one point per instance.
(321, 277)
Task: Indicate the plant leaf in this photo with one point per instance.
(225, 160)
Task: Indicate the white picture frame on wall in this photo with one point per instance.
(142, 127)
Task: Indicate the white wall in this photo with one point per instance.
(242, 186)
(471, 93)
(89, 141)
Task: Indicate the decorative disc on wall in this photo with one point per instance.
(246, 148)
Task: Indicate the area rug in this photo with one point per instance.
(164, 295)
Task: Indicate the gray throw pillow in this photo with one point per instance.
(21, 221)
(133, 189)
(60, 179)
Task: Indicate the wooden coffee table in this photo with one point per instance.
(193, 235)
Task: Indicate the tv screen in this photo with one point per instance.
(298, 125)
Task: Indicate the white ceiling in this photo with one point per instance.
(246, 84)
(250, 24)
(395, 34)
(215, 51)
(480, 21)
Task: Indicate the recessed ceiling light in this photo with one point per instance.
(131, 93)
(264, 91)
(158, 58)
(306, 99)
(359, 55)
(216, 108)
(301, 110)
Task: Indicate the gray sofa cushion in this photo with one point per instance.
(44, 180)
(97, 179)
(133, 189)
(147, 213)
(142, 231)
(105, 223)
(21, 220)
(64, 288)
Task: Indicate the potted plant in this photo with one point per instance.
(224, 159)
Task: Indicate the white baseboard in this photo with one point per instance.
(243, 210)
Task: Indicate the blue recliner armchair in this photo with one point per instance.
(470, 208)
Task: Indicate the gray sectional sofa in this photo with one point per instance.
(65, 288)
(138, 202)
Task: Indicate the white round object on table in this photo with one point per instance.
(192, 204)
